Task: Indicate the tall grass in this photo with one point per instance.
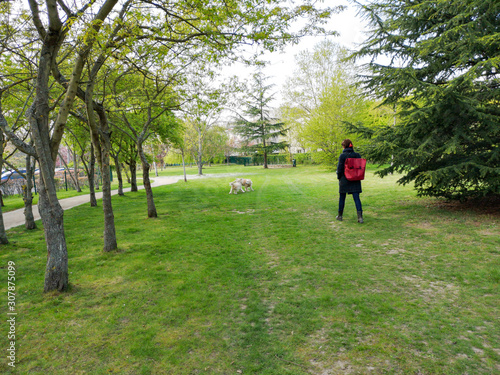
(266, 282)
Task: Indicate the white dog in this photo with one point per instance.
(235, 187)
(245, 183)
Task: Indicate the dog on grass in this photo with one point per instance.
(235, 187)
(245, 183)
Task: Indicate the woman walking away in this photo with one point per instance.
(346, 186)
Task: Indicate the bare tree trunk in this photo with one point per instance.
(3, 234)
(28, 197)
(133, 175)
(56, 271)
(110, 242)
(75, 171)
(116, 157)
(96, 179)
(118, 174)
(91, 177)
(200, 157)
(72, 175)
(51, 212)
(126, 173)
(183, 165)
(100, 134)
(147, 183)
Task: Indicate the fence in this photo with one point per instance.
(62, 179)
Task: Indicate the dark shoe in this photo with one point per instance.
(339, 216)
(360, 217)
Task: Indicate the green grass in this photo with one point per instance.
(15, 202)
(266, 282)
(207, 170)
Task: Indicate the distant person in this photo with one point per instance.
(346, 186)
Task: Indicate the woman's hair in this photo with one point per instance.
(346, 143)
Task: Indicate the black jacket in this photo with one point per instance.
(346, 186)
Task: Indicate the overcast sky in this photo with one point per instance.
(350, 27)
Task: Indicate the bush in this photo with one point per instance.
(303, 158)
(272, 159)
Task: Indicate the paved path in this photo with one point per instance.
(15, 218)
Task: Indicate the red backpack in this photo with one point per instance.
(354, 169)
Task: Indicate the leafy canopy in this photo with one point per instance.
(257, 125)
(321, 97)
(443, 75)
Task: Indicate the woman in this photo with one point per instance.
(346, 186)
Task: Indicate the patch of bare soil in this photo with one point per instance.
(486, 206)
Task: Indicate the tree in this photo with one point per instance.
(321, 97)
(145, 108)
(216, 142)
(256, 125)
(52, 34)
(197, 127)
(79, 131)
(202, 112)
(118, 145)
(17, 64)
(444, 77)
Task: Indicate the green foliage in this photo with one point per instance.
(258, 159)
(305, 158)
(321, 97)
(445, 79)
(257, 126)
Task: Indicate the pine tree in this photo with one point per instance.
(444, 78)
(257, 126)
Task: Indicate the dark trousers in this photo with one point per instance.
(357, 202)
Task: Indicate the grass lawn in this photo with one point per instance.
(14, 202)
(207, 170)
(266, 282)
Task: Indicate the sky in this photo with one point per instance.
(348, 24)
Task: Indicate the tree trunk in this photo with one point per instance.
(101, 139)
(133, 175)
(147, 183)
(265, 151)
(126, 173)
(200, 157)
(110, 242)
(72, 175)
(3, 235)
(56, 271)
(183, 165)
(91, 177)
(28, 197)
(119, 174)
(96, 179)
(75, 171)
(51, 212)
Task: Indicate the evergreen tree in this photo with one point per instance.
(257, 126)
(444, 78)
